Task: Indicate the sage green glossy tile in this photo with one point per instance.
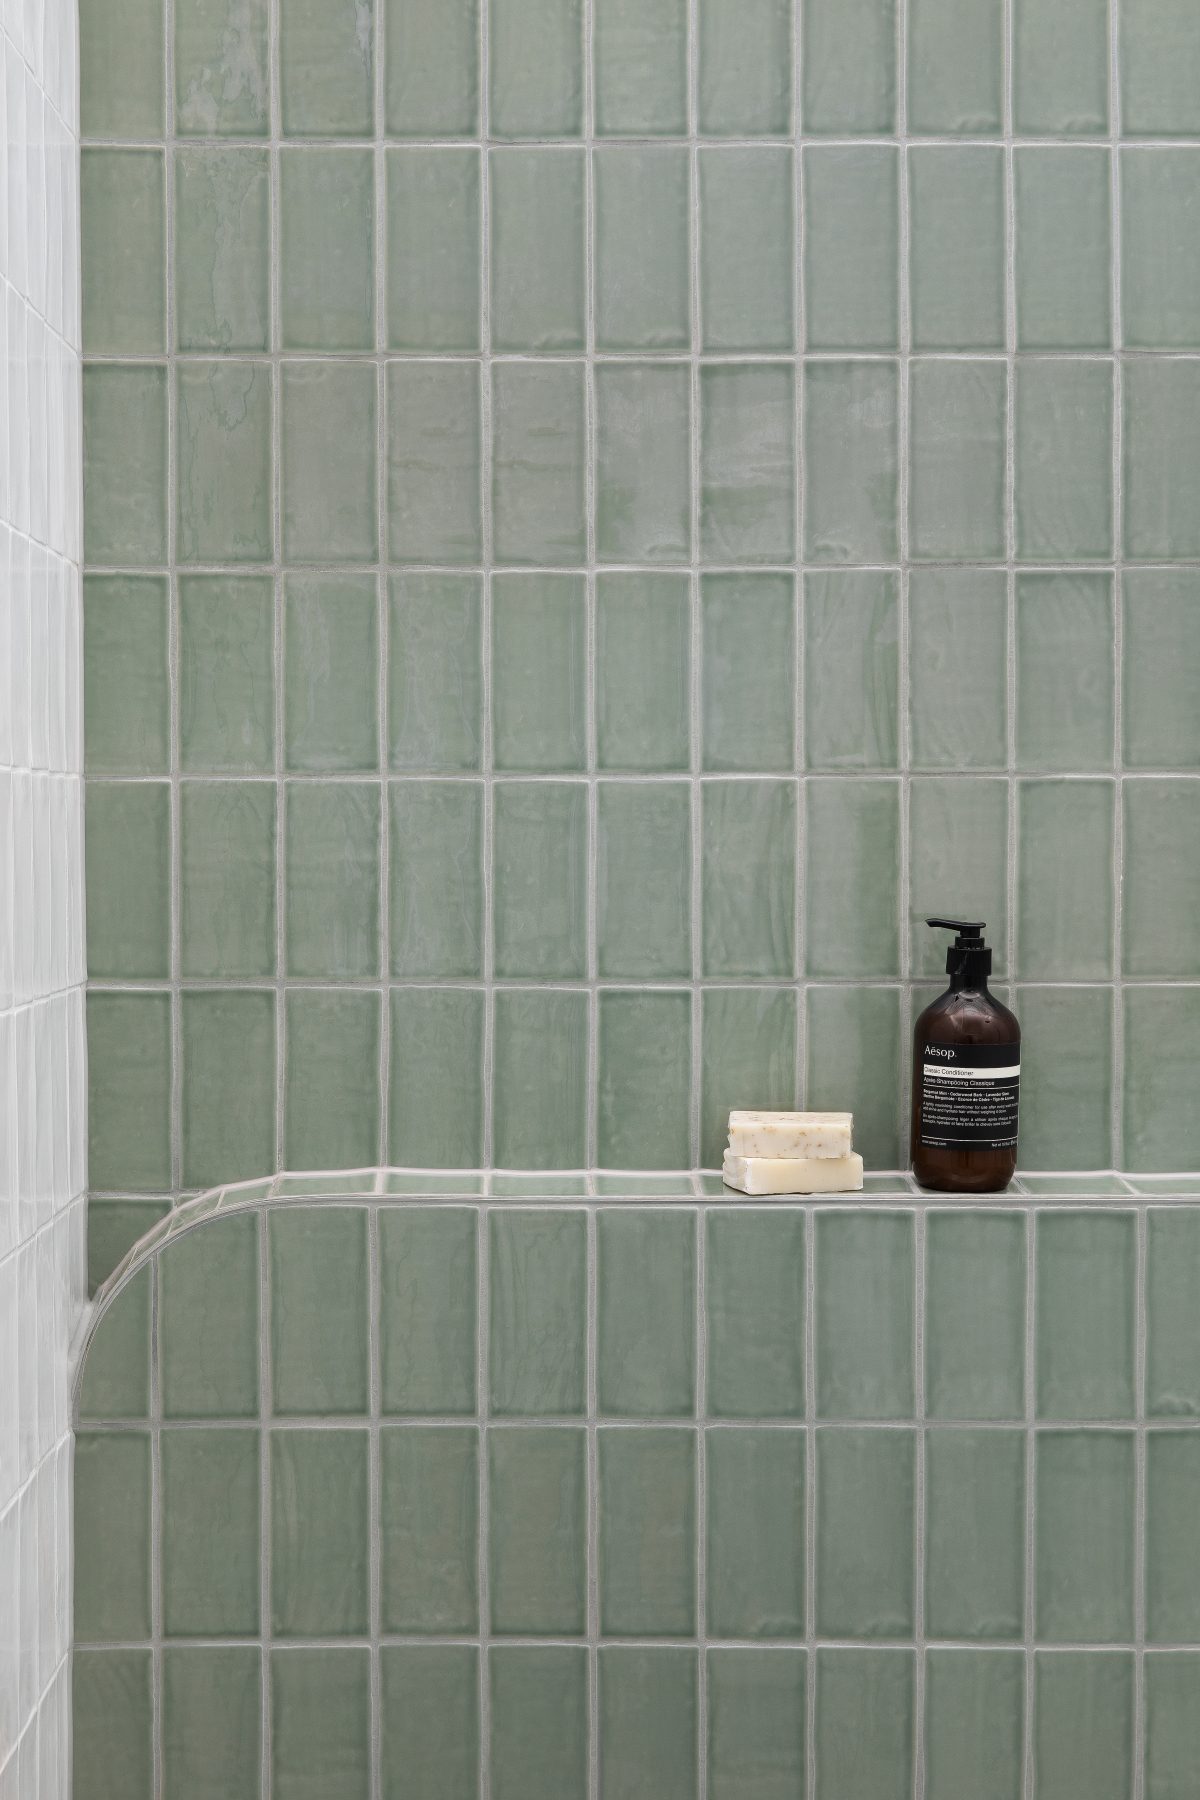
(538, 459)
(116, 1377)
(125, 675)
(1162, 933)
(756, 1723)
(319, 1533)
(1172, 1586)
(1084, 1551)
(331, 655)
(747, 453)
(212, 1722)
(221, 60)
(1064, 892)
(648, 1723)
(537, 1532)
(539, 1722)
(643, 463)
(747, 625)
(540, 844)
(643, 679)
(435, 1104)
(644, 1080)
(865, 1725)
(433, 462)
(961, 833)
(748, 1047)
(540, 1079)
(427, 1317)
(208, 1336)
(745, 68)
(112, 1536)
(854, 1060)
(647, 1544)
(852, 844)
(1161, 667)
(755, 1263)
(125, 464)
(746, 249)
(326, 258)
(1064, 671)
(328, 475)
(646, 1313)
(1083, 1729)
(956, 495)
(640, 68)
(975, 1315)
(431, 83)
(222, 208)
(957, 245)
(538, 671)
(865, 1486)
(127, 854)
(226, 674)
(755, 1489)
(121, 82)
(536, 73)
(112, 1725)
(642, 282)
(1063, 455)
(318, 1324)
(955, 67)
(851, 479)
(437, 885)
(123, 215)
(748, 876)
(332, 876)
(223, 471)
(958, 631)
(129, 1088)
(1066, 1107)
(227, 913)
(974, 1724)
(433, 249)
(1162, 456)
(210, 1533)
(430, 1720)
(320, 1724)
(864, 1321)
(537, 249)
(435, 680)
(429, 1529)
(1160, 1126)
(848, 67)
(326, 75)
(1060, 67)
(975, 1534)
(1172, 1724)
(1172, 1323)
(1159, 69)
(851, 248)
(331, 1097)
(537, 1280)
(851, 657)
(1063, 200)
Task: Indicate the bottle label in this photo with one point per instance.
(969, 1096)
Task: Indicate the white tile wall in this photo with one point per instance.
(42, 1085)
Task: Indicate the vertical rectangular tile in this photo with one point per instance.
(755, 1272)
(974, 1723)
(1083, 1724)
(328, 475)
(640, 68)
(227, 878)
(222, 207)
(1158, 69)
(212, 1721)
(865, 1487)
(435, 673)
(123, 218)
(747, 698)
(745, 63)
(112, 1537)
(540, 1076)
(226, 674)
(746, 250)
(1084, 1551)
(1066, 1117)
(1172, 1588)
(864, 1322)
(644, 1080)
(643, 886)
(756, 1723)
(221, 82)
(851, 670)
(538, 874)
(331, 1097)
(331, 673)
(848, 67)
(1160, 1130)
(433, 249)
(851, 247)
(975, 1315)
(319, 1531)
(642, 675)
(116, 1378)
(121, 75)
(318, 1271)
(955, 67)
(957, 242)
(429, 1530)
(748, 876)
(747, 449)
(537, 1555)
(647, 1545)
(864, 1724)
(537, 250)
(1172, 1732)
(326, 70)
(648, 1720)
(210, 1521)
(956, 494)
(1063, 200)
(1173, 1333)
(436, 860)
(125, 675)
(435, 1099)
(1161, 663)
(756, 1522)
(955, 827)
(646, 1313)
(851, 463)
(129, 1086)
(852, 838)
(958, 629)
(1161, 937)
(208, 1324)
(434, 503)
(1085, 1309)
(432, 81)
(332, 879)
(1064, 422)
(643, 463)
(536, 74)
(748, 1047)
(539, 1719)
(975, 1534)
(642, 224)
(538, 459)
(427, 1316)
(537, 1280)
(320, 1733)
(112, 1734)
(1060, 67)
(127, 852)
(430, 1719)
(1064, 671)
(228, 1122)
(223, 462)
(125, 465)
(1064, 897)
(1162, 455)
(326, 201)
(854, 1060)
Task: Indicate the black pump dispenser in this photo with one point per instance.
(968, 958)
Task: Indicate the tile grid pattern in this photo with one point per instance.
(42, 1110)
(820, 1223)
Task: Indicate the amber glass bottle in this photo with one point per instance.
(966, 1077)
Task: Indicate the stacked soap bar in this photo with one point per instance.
(791, 1153)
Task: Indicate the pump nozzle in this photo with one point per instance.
(971, 932)
(969, 955)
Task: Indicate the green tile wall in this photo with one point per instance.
(503, 1488)
(598, 512)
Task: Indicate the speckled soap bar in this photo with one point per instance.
(803, 1134)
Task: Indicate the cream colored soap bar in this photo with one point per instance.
(823, 1134)
(793, 1174)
